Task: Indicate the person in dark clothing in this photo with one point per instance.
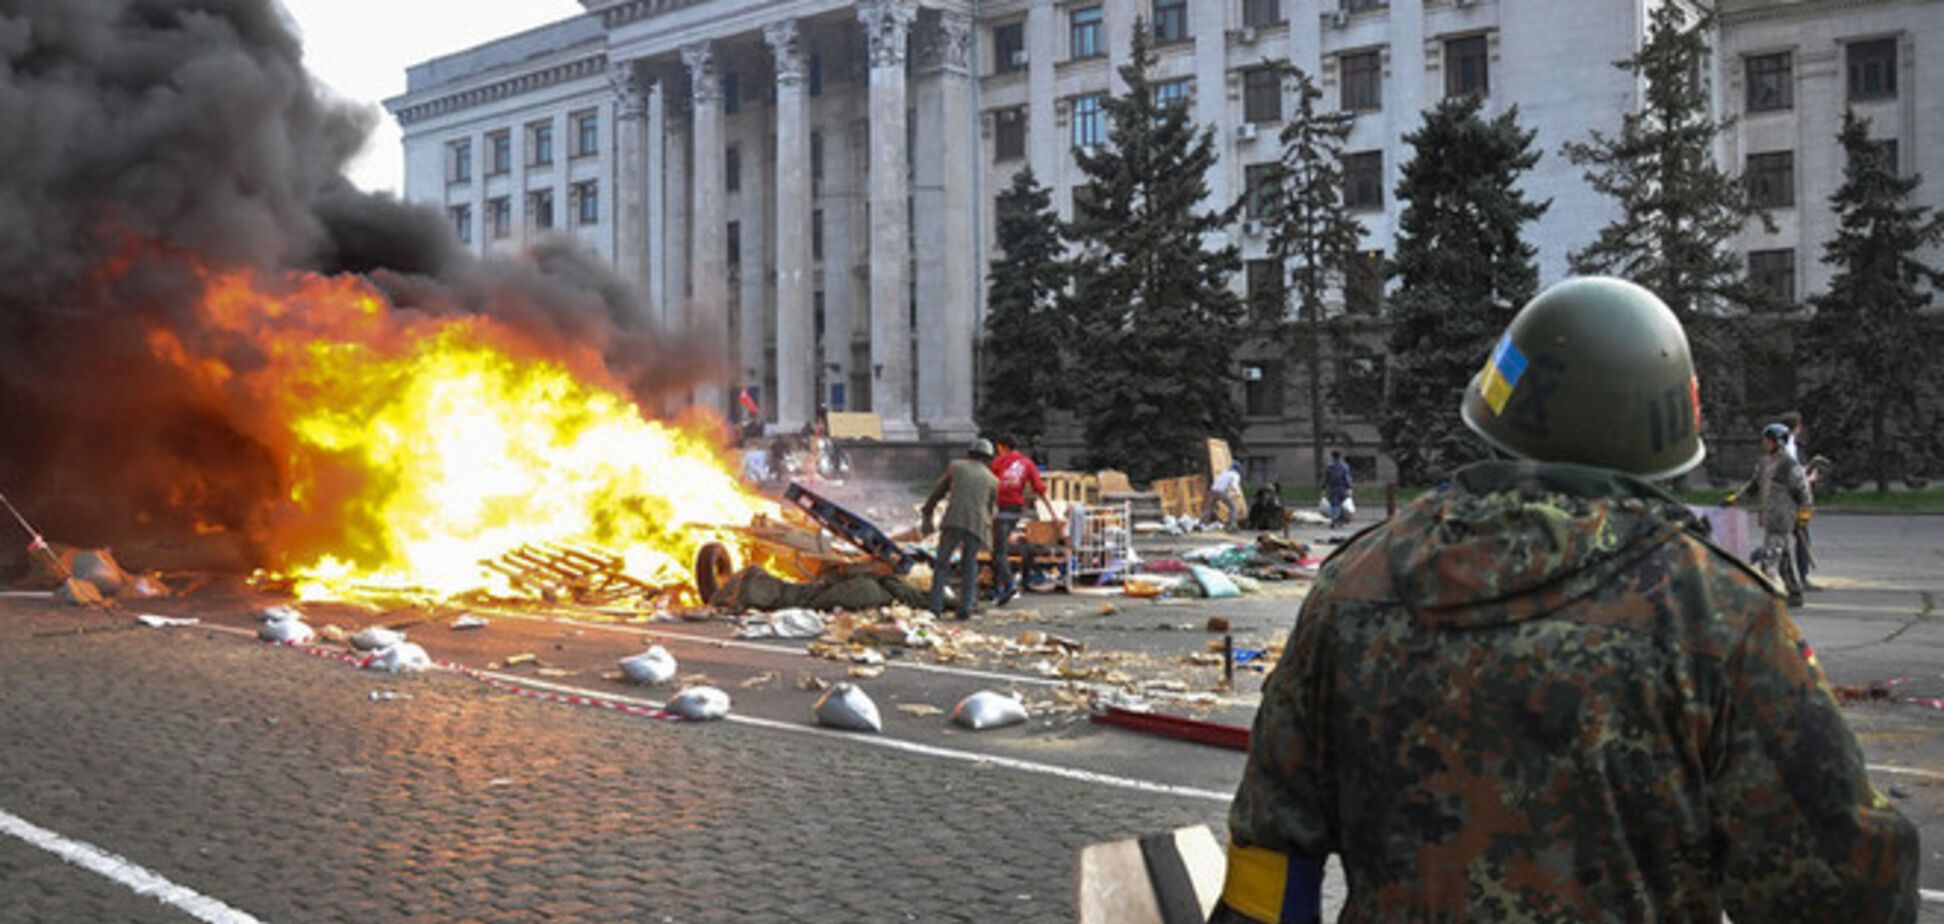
(973, 495)
(1336, 489)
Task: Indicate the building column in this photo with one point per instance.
(708, 306)
(887, 24)
(947, 151)
(631, 176)
(796, 359)
(675, 212)
(654, 163)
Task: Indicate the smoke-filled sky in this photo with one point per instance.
(360, 49)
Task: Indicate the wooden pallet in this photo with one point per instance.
(563, 572)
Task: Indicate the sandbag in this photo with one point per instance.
(654, 666)
(288, 631)
(986, 709)
(700, 704)
(1214, 583)
(79, 593)
(274, 613)
(790, 623)
(376, 638)
(848, 707)
(401, 658)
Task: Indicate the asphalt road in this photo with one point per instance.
(276, 784)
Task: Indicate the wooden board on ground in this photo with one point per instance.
(1113, 482)
(1159, 879)
(856, 425)
(1182, 497)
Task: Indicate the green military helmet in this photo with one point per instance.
(1593, 371)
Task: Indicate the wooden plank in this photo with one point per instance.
(1114, 883)
(855, 426)
(1219, 456)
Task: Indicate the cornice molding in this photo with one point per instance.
(595, 65)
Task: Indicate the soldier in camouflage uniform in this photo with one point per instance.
(1540, 695)
(1780, 493)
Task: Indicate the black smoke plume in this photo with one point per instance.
(134, 133)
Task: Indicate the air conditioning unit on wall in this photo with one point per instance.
(1339, 17)
(1246, 131)
(1019, 58)
(1252, 228)
(1246, 35)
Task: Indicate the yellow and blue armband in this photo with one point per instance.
(1269, 887)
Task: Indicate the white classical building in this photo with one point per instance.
(813, 181)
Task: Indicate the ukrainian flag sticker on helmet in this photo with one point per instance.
(1501, 374)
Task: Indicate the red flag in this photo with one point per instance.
(748, 403)
(37, 545)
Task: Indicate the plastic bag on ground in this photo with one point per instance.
(154, 621)
(654, 666)
(848, 707)
(402, 658)
(1214, 583)
(986, 709)
(376, 638)
(790, 623)
(291, 630)
(274, 613)
(700, 704)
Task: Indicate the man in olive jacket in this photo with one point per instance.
(973, 500)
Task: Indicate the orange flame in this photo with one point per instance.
(412, 448)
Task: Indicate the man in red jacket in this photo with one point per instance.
(1016, 473)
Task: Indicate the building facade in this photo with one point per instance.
(812, 182)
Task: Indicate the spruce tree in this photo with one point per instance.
(1025, 373)
(1155, 322)
(1315, 235)
(1679, 209)
(1463, 269)
(1868, 349)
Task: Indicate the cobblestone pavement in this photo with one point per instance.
(272, 782)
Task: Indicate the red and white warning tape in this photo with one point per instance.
(545, 696)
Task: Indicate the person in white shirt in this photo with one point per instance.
(1226, 490)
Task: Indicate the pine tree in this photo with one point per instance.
(1868, 350)
(1154, 319)
(1316, 236)
(1463, 269)
(1679, 208)
(1025, 374)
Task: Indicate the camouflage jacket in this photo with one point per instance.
(1537, 696)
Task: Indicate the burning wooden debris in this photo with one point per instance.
(560, 572)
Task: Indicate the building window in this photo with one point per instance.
(1008, 47)
(1009, 134)
(816, 162)
(540, 144)
(731, 93)
(587, 134)
(461, 222)
(1363, 180)
(1170, 21)
(1262, 388)
(1363, 81)
(459, 161)
(499, 217)
(733, 239)
(1265, 289)
(1771, 179)
(816, 234)
(1259, 13)
(1773, 271)
(1363, 283)
(1771, 82)
(1089, 121)
(816, 75)
(1262, 94)
(587, 202)
(540, 208)
(499, 153)
(1465, 67)
(1872, 69)
(1259, 183)
(1084, 40)
(1175, 92)
(732, 169)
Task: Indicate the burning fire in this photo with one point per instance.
(411, 447)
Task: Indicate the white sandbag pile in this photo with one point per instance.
(700, 704)
(400, 658)
(986, 709)
(284, 625)
(376, 638)
(848, 707)
(651, 667)
(789, 623)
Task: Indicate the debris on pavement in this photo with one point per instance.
(469, 621)
(376, 638)
(154, 621)
(287, 627)
(920, 710)
(79, 593)
(400, 658)
(986, 709)
(700, 704)
(652, 667)
(848, 707)
(525, 657)
(794, 622)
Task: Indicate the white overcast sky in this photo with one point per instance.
(360, 49)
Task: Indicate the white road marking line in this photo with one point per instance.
(1932, 895)
(1029, 766)
(1907, 771)
(121, 870)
